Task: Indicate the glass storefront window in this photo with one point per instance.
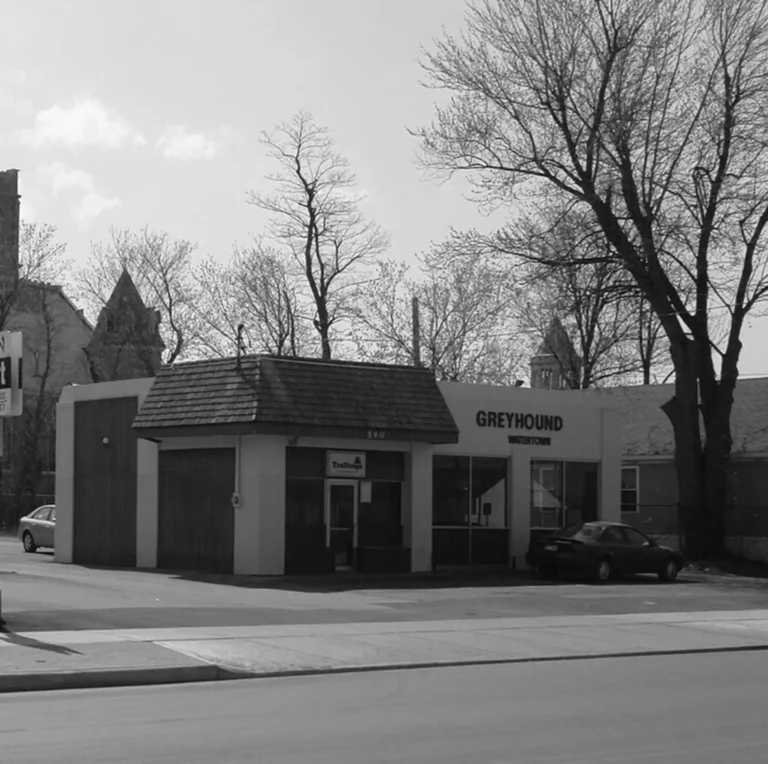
(489, 492)
(380, 521)
(469, 511)
(546, 494)
(581, 493)
(450, 490)
(305, 502)
(563, 493)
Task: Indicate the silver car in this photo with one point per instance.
(37, 528)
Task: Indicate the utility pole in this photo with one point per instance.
(416, 339)
(240, 344)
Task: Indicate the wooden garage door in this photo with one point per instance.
(196, 521)
(105, 483)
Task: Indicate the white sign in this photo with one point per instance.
(346, 464)
(10, 373)
(365, 492)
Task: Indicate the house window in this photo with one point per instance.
(630, 494)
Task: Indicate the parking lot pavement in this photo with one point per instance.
(39, 594)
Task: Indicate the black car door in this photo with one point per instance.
(613, 542)
(645, 554)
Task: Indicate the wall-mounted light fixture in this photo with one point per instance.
(105, 441)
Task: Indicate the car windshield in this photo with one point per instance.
(579, 531)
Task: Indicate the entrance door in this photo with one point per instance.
(341, 509)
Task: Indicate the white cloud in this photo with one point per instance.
(91, 206)
(59, 178)
(177, 142)
(84, 123)
(91, 203)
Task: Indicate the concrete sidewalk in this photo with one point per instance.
(66, 659)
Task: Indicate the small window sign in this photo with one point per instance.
(345, 464)
(365, 492)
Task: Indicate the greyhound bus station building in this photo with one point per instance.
(267, 466)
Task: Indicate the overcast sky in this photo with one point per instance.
(148, 113)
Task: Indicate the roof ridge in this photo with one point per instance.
(343, 362)
(334, 362)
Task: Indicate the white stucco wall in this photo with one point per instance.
(65, 462)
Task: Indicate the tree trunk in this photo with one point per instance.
(322, 324)
(683, 412)
(717, 463)
(702, 465)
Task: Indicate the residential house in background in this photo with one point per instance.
(61, 348)
(649, 482)
(649, 495)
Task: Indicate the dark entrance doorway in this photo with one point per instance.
(342, 522)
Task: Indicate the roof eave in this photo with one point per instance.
(155, 431)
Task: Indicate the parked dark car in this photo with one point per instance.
(603, 550)
(37, 528)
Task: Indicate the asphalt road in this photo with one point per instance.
(39, 594)
(703, 709)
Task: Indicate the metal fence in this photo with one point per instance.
(659, 521)
(747, 521)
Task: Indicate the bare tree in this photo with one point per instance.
(259, 291)
(36, 427)
(465, 333)
(29, 307)
(594, 319)
(572, 276)
(41, 259)
(162, 269)
(651, 114)
(315, 215)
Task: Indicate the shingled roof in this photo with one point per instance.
(646, 431)
(269, 394)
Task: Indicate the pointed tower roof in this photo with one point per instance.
(556, 341)
(125, 294)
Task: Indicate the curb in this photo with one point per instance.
(102, 678)
(113, 678)
(241, 673)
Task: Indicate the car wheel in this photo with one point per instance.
(548, 572)
(604, 569)
(28, 542)
(669, 571)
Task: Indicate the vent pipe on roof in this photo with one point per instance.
(416, 341)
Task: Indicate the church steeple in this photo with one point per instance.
(556, 365)
(126, 342)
